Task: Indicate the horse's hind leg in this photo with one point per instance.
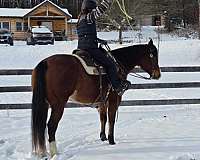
(103, 118)
(56, 115)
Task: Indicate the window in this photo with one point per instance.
(19, 26)
(25, 26)
(74, 31)
(5, 25)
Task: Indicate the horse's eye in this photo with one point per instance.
(151, 55)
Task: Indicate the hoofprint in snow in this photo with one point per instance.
(149, 132)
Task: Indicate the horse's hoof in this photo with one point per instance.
(53, 148)
(44, 156)
(111, 140)
(112, 143)
(54, 157)
(103, 137)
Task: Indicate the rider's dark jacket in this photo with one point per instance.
(86, 28)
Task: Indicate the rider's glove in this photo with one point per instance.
(101, 41)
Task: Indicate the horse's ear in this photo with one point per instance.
(150, 42)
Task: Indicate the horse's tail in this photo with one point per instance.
(39, 108)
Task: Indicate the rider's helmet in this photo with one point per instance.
(88, 4)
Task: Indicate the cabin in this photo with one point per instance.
(18, 20)
(72, 30)
(151, 20)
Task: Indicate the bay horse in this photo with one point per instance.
(59, 78)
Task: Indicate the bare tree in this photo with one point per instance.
(118, 17)
(199, 17)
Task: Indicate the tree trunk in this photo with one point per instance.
(120, 35)
(183, 14)
(199, 19)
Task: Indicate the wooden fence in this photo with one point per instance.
(124, 103)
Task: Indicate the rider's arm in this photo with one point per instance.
(98, 11)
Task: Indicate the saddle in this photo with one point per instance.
(90, 66)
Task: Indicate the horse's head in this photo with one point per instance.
(149, 61)
(145, 56)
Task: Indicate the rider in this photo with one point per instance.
(87, 40)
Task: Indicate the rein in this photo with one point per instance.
(123, 69)
(139, 76)
(126, 72)
(118, 64)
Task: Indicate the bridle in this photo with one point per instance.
(124, 70)
(153, 68)
(139, 76)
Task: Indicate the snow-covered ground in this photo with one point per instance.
(147, 132)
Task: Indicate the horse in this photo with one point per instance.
(61, 77)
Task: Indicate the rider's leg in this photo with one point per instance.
(101, 57)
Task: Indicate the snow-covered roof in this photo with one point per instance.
(64, 10)
(19, 12)
(13, 12)
(73, 21)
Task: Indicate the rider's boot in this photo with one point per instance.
(123, 87)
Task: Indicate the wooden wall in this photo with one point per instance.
(57, 23)
(40, 14)
(72, 31)
(18, 35)
(42, 11)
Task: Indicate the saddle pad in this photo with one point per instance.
(90, 69)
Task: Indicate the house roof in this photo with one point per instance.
(73, 21)
(64, 10)
(13, 12)
(19, 12)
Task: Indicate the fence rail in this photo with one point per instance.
(123, 103)
(133, 86)
(163, 69)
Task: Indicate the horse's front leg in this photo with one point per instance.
(114, 101)
(102, 109)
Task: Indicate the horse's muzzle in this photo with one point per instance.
(156, 74)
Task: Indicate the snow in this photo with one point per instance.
(13, 12)
(141, 132)
(41, 29)
(73, 21)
